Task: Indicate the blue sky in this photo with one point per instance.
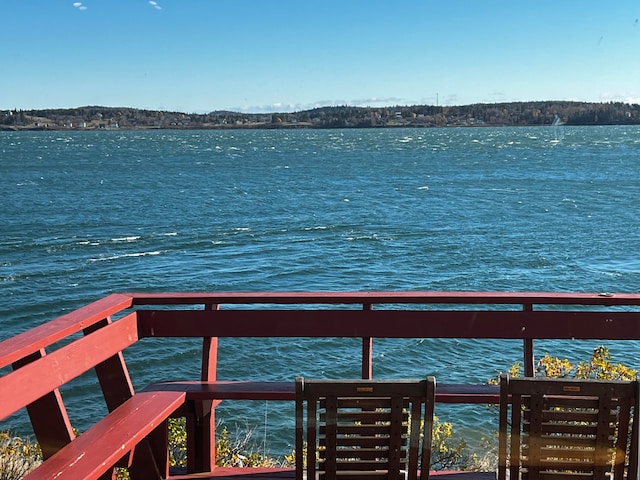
(286, 55)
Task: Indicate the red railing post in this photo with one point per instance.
(529, 359)
(112, 374)
(201, 423)
(48, 415)
(367, 351)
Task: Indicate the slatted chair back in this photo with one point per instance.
(561, 429)
(364, 429)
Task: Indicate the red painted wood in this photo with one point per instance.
(150, 457)
(48, 415)
(285, 391)
(112, 374)
(391, 324)
(95, 451)
(367, 351)
(467, 393)
(201, 425)
(230, 390)
(528, 359)
(28, 383)
(15, 348)
(454, 298)
(533, 316)
(367, 355)
(251, 473)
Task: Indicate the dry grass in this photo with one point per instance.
(18, 456)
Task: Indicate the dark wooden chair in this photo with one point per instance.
(364, 428)
(567, 429)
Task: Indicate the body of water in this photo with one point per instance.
(85, 214)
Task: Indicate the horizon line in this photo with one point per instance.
(251, 112)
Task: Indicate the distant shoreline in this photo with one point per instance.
(417, 116)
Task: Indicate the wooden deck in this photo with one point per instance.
(236, 472)
(289, 474)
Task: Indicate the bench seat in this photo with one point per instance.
(229, 389)
(98, 449)
(278, 390)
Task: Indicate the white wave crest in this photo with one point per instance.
(125, 255)
(126, 239)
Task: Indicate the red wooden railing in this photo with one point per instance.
(370, 315)
(526, 316)
(363, 315)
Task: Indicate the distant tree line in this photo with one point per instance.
(482, 114)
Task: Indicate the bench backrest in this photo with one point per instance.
(38, 373)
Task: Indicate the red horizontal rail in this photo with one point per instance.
(285, 391)
(390, 324)
(26, 343)
(504, 298)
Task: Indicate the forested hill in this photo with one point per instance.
(494, 114)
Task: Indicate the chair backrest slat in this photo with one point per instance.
(364, 428)
(564, 428)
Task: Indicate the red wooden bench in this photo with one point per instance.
(136, 423)
(139, 425)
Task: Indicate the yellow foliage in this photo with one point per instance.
(554, 367)
(600, 366)
(446, 451)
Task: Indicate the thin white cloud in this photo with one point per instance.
(279, 107)
(155, 5)
(450, 99)
(271, 108)
(626, 97)
(377, 101)
(493, 97)
(79, 6)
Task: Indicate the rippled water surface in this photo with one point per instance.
(85, 214)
